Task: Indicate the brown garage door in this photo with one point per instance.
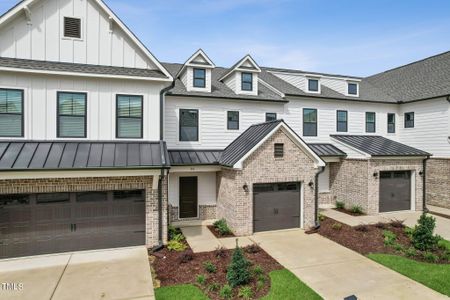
(395, 191)
(60, 222)
(276, 206)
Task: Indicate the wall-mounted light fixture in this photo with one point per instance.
(421, 173)
(375, 174)
(245, 187)
(311, 184)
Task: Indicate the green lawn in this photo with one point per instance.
(433, 276)
(285, 285)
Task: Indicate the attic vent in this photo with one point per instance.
(72, 27)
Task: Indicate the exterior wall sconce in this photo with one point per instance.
(421, 173)
(375, 175)
(311, 184)
(245, 187)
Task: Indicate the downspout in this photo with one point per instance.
(424, 185)
(316, 198)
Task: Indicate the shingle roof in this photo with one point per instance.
(218, 88)
(378, 146)
(324, 150)
(427, 78)
(36, 155)
(40, 65)
(194, 157)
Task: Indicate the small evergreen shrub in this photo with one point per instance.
(356, 209)
(340, 205)
(430, 257)
(213, 287)
(172, 231)
(174, 245)
(258, 270)
(245, 292)
(238, 271)
(422, 237)
(389, 238)
(210, 267)
(409, 231)
(411, 252)
(226, 292)
(222, 227)
(321, 218)
(201, 279)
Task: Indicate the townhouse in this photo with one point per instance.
(102, 145)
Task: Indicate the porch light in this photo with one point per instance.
(375, 174)
(421, 173)
(311, 184)
(245, 187)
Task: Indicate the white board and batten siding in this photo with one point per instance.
(42, 38)
(40, 103)
(206, 187)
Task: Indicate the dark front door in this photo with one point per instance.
(188, 197)
(395, 191)
(276, 206)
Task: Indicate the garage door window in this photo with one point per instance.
(92, 196)
(261, 188)
(137, 196)
(52, 198)
(10, 200)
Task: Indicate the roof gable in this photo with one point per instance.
(198, 59)
(245, 64)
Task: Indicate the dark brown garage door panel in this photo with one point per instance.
(395, 191)
(49, 223)
(276, 206)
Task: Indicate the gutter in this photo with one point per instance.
(424, 185)
(316, 198)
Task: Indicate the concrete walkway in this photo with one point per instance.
(201, 239)
(410, 218)
(105, 274)
(336, 272)
(439, 210)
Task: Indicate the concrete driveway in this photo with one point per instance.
(105, 274)
(336, 272)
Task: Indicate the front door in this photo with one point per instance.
(188, 197)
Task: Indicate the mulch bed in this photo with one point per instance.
(369, 238)
(172, 268)
(348, 212)
(217, 234)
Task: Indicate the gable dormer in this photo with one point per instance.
(242, 78)
(196, 72)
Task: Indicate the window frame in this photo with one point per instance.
(388, 123)
(308, 85)
(117, 116)
(413, 119)
(271, 113)
(194, 78)
(278, 154)
(179, 124)
(337, 120)
(22, 122)
(58, 135)
(316, 123)
(248, 82)
(374, 122)
(238, 120)
(357, 89)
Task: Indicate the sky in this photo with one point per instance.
(351, 37)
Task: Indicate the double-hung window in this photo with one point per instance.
(370, 122)
(11, 113)
(199, 78)
(71, 115)
(309, 122)
(271, 117)
(391, 123)
(129, 116)
(232, 120)
(409, 120)
(342, 121)
(188, 125)
(247, 82)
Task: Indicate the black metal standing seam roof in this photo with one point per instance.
(246, 141)
(379, 146)
(324, 150)
(194, 157)
(40, 65)
(46, 155)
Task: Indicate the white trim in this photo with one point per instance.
(308, 78)
(239, 64)
(194, 168)
(47, 72)
(302, 205)
(357, 88)
(413, 190)
(315, 75)
(82, 27)
(397, 157)
(178, 142)
(193, 64)
(294, 137)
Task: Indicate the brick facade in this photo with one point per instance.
(352, 181)
(236, 205)
(60, 185)
(438, 182)
(206, 212)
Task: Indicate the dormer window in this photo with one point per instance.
(313, 85)
(199, 78)
(72, 28)
(352, 89)
(247, 82)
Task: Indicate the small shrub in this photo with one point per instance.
(340, 205)
(380, 225)
(430, 257)
(397, 223)
(213, 287)
(260, 284)
(362, 228)
(356, 209)
(398, 247)
(226, 292)
(172, 231)
(176, 246)
(443, 244)
(201, 279)
(336, 226)
(179, 237)
(245, 292)
(409, 231)
(222, 227)
(411, 252)
(321, 218)
(446, 255)
(258, 270)
(210, 267)
(389, 238)
(220, 252)
(238, 271)
(422, 236)
(253, 248)
(186, 257)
